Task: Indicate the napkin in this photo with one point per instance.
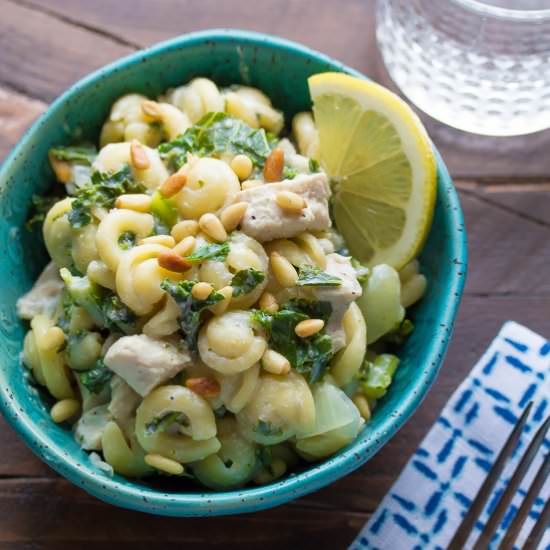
(426, 504)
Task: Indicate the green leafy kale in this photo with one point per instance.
(314, 165)
(246, 280)
(40, 207)
(399, 335)
(101, 191)
(79, 154)
(164, 213)
(95, 378)
(289, 173)
(192, 310)
(216, 252)
(217, 133)
(267, 428)
(362, 272)
(166, 420)
(311, 275)
(127, 240)
(376, 376)
(104, 306)
(307, 355)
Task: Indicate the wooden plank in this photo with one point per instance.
(43, 55)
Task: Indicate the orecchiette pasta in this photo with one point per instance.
(165, 321)
(58, 233)
(236, 390)
(306, 134)
(197, 98)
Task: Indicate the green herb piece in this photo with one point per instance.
(376, 376)
(311, 275)
(192, 310)
(246, 280)
(95, 379)
(101, 190)
(127, 240)
(164, 213)
(165, 421)
(362, 272)
(79, 154)
(216, 252)
(104, 307)
(399, 335)
(289, 173)
(310, 356)
(218, 133)
(314, 165)
(40, 207)
(267, 428)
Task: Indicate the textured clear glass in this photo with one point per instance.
(478, 65)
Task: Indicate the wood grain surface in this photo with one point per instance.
(45, 45)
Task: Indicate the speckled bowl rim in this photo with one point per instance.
(317, 476)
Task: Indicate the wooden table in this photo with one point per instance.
(45, 45)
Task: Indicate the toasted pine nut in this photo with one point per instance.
(274, 164)
(221, 306)
(201, 291)
(173, 185)
(289, 201)
(284, 271)
(268, 302)
(275, 363)
(184, 229)
(172, 262)
(413, 290)
(309, 327)
(204, 386)
(185, 246)
(138, 155)
(54, 338)
(163, 240)
(62, 169)
(213, 227)
(152, 109)
(64, 409)
(242, 166)
(231, 217)
(277, 469)
(249, 184)
(139, 202)
(362, 405)
(164, 464)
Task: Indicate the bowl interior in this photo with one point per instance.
(280, 69)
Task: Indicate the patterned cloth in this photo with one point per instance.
(427, 503)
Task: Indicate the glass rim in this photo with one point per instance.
(504, 13)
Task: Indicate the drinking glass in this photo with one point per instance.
(482, 66)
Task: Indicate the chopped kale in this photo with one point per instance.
(79, 154)
(192, 310)
(127, 240)
(216, 252)
(96, 378)
(314, 165)
(376, 376)
(165, 421)
(218, 133)
(398, 336)
(310, 275)
(246, 280)
(164, 213)
(289, 173)
(40, 207)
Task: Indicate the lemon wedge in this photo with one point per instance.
(380, 159)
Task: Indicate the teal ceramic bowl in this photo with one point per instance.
(280, 68)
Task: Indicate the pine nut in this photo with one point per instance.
(164, 464)
(152, 109)
(138, 202)
(362, 405)
(138, 155)
(64, 409)
(231, 217)
(268, 302)
(274, 164)
(249, 184)
(172, 262)
(184, 229)
(309, 327)
(163, 240)
(204, 386)
(221, 306)
(242, 166)
(54, 338)
(201, 291)
(213, 227)
(185, 246)
(173, 185)
(289, 201)
(62, 169)
(275, 363)
(284, 271)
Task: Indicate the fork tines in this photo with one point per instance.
(475, 511)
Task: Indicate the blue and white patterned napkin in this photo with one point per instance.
(428, 501)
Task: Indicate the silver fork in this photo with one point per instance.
(537, 532)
